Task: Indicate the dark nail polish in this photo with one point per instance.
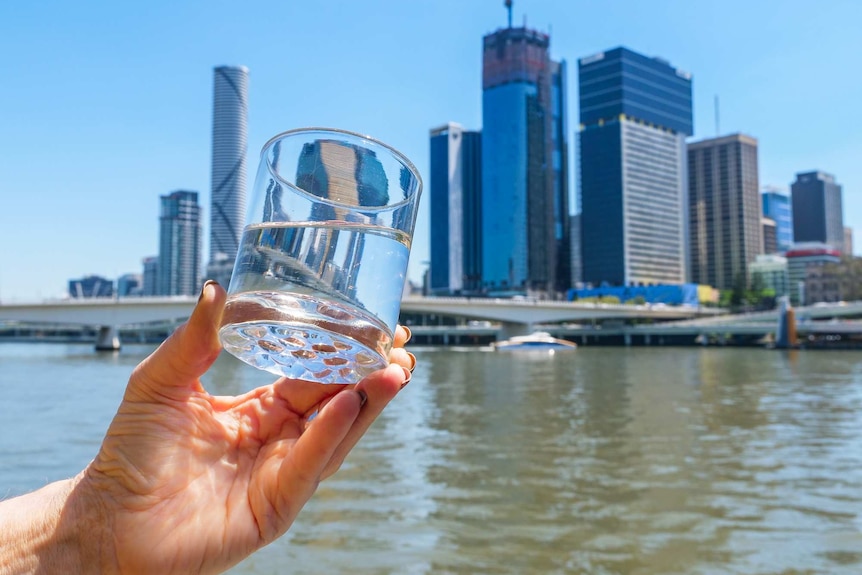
(206, 283)
(363, 397)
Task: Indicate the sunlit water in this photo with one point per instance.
(603, 461)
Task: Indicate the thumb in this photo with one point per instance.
(189, 351)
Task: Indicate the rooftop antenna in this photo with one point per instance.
(717, 125)
(508, 4)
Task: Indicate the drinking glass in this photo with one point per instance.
(317, 284)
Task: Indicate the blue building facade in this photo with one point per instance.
(525, 206)
(635, 113)
(90, 287)
(456, 210)
(179, 261)
(777, 207)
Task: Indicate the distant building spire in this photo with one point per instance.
(508, 4)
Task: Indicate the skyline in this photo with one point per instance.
(86, 78)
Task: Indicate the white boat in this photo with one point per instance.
(538, 341)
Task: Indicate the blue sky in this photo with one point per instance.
(104, 106)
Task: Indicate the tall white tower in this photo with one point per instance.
(230, 144)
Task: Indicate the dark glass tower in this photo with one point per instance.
(456, 210)
(525, 208)
(635, 113)
(817, 209)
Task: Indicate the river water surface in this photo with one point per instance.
(603, 460)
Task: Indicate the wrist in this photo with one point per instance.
(57, 529)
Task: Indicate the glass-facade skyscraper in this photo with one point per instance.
(635, 113)
(456, 210)
(179, 260)
(777, 207)
(229, 147)
(150, 276)
(525, 207)
(817, 209)
(724, 209)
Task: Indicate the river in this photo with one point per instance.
(633, 461)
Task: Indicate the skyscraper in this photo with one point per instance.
(770, 235)
(179, 259)
(129, 285)
(525, 206)
(150, 276)
(776, 206)
(817, 209)
(230, 143)
(456, 210)
(635, 113)
(724, 209)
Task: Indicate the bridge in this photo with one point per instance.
(514, 315)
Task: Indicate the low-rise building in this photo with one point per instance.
(801, 258)
(772, 271)
(91, 286)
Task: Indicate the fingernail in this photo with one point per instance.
(409, 333)
(203, 289)
(363, 397)
(412, 361)
(407, 375)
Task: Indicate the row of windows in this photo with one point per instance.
(637, 106)
(653, 182)
(669, 226)
(657, 260)
(636, 64)
(638, 240)
(640, 98)
(653, 166)
(632, 84)
(668, 143)
(651, 235)
(670, 217)
(652, 152)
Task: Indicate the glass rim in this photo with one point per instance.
(321, 129)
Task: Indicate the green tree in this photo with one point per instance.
(738, 293)
(755, 295)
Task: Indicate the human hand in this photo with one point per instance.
(187, 482)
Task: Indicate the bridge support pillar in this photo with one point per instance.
(108, 338)
(628, 339)
(647, 339)
(508, 330)
(785, 333)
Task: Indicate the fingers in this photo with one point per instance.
(402, 336)
(402, 357)
(380, 388)
(300, 472)
(189, 351)
(302, 397)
